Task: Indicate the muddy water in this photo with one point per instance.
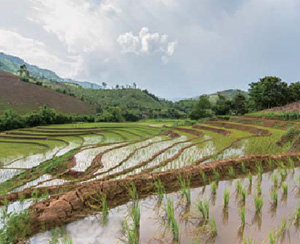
(153, 225)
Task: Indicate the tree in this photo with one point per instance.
(104, 85)
(223, 105)
(112, 114)
(269, 92)
(23, 73)
(294, 90)
(202, 108)
(239, 104)
(134, 85)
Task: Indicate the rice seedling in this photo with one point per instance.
(22, 197)
(291, 163)
(275, 179)
(172, 223)
(250, 179)
(213, 227)
(185, 188)
(105, 210)
(203, 208)
(243, 168)
(283, 173)
(258, 189)
(274, 237)
(284, 187)
(283, 226)
(274, 197)
(247, 240)
(243, 195)
(242, 216)
(217, 175)
(238, 186)
(226, 196)
(136, 216)
(35, 195)
(133, 192)
(4, 211)
(160, 189)
(231, 172)
(204, 178)
(271, 164)
(132, 235)
(213, 187)
(258, 203)
(297, 214)
(259, 168)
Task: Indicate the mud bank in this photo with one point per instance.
(78, 202)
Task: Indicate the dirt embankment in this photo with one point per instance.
(251, 129)
(212, 129)
(191, 131)
(271, 123)
(77, 203)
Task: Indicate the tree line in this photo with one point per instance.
(268, 92)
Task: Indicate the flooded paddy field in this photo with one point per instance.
(235, 181)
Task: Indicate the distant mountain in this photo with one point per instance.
(12, 64)
(25, 97)
(230, 93)
(84, 84)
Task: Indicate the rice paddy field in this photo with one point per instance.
(221, 181)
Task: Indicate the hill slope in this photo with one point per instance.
(25, 97)
(142, 102)
(12, 64)
(289, 107)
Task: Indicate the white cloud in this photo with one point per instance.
(35, 52)
(77, 23)
(129, 43)
(103, 39)
(147, 43)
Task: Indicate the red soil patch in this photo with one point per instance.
(215, 130)
(241, 127)
(191, 131)
(272, 123)
(289, 107)
(170, 133)
(24, 97)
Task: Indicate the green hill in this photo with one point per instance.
(12, 64)
(140, 102)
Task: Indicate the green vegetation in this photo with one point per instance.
(17, 226)
(226, 197)
(285, 115)
(11, 120)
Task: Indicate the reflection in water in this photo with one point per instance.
(193, 228)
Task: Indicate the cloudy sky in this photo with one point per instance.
(174, 48)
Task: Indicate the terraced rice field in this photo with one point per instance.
(225, 181)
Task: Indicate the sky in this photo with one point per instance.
(173, 48)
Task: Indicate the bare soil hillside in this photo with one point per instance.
(289, 107)
(25, 97)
